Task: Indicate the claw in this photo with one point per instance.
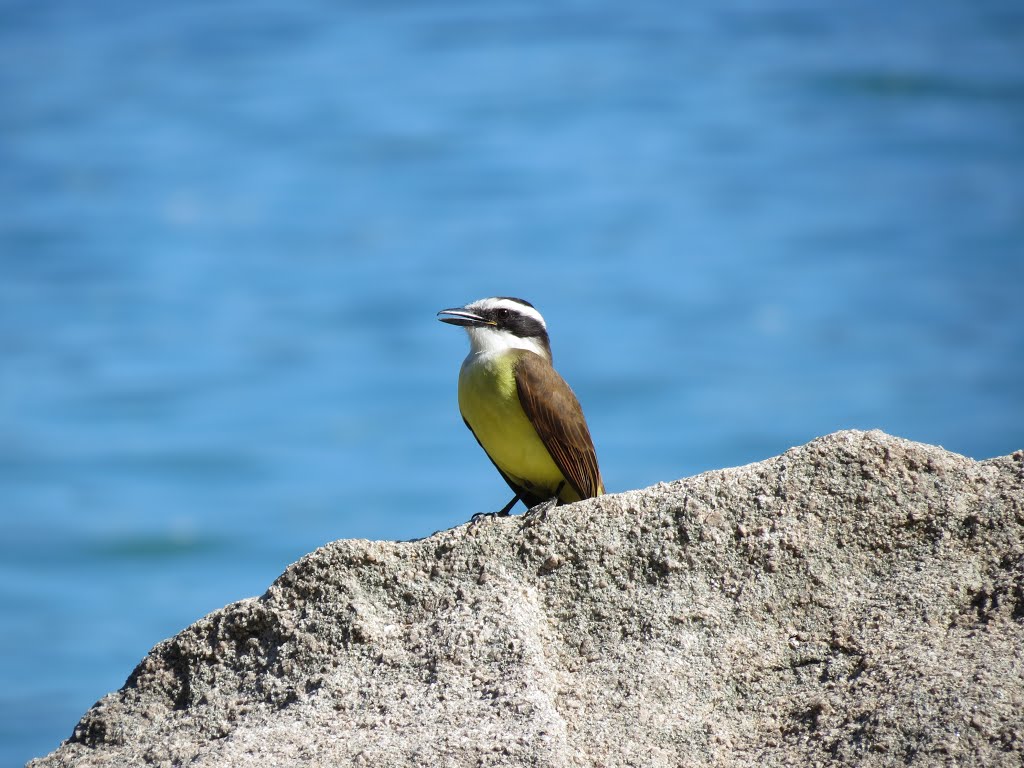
(503, 512)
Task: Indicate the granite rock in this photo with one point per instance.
(856, 601)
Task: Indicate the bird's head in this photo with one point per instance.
(501, 323)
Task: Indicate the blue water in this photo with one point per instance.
(225, 230)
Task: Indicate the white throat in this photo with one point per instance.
(487, 342)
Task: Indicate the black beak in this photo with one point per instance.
(463, 317)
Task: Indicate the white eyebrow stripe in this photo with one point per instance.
(509, 304)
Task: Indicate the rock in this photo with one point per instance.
(856, 601)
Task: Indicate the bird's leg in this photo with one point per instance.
(503, 512)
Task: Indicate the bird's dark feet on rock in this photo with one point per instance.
(503, 512)
(477, 517)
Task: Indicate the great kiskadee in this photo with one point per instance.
(518, 408)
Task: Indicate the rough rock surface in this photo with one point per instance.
(856, 601)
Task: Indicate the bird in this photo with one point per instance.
(519, 409)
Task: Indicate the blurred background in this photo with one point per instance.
(225, 230)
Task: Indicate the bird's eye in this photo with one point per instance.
(502, 313)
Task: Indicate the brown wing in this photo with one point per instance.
(558, 419)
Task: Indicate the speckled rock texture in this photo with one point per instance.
(856, 601)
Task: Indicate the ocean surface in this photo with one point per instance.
(225, 230)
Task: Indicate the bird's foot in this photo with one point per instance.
(503, 512)
(476, 518)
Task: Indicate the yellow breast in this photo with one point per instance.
(489, 402)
